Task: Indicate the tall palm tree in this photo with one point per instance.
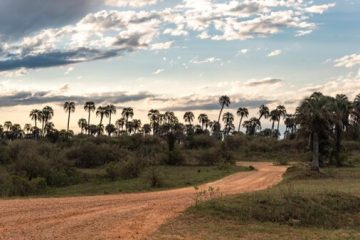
(242, 112)
(111, 109)
(282, 114)
(263, 112)
(69, 107)
(127, 113)
(46, 116)
(101, 111)
(223, 101)
(170, 117)
(82, 123)
(154, 119)
(341, 108)
(189, 117)
(314, 117)
(274, 117)
(89, 107)
(203, 120)
(34, 115)
(49, 127)
(110, 129)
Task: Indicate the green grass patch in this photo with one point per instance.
(171, 177)
(306, 205)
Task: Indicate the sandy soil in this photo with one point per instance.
(122, 216)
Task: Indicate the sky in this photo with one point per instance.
(177, 55)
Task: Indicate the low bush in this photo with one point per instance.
(154, 178)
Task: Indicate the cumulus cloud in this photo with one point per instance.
(104, 34)
(275, 53)
(348, 61)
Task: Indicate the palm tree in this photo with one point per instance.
(224, 101)
(101, 111)
(170, 117)
(314, 117)
(89, 107)
(356, 112)
(27, 128)
(137, 125)
(189, 117)
(274, 117)
(120, 123)
(7, 125)
(282, 114)
(49, 127)
(69, 107)
(203, 119)
(146, 129)
(154, 119)
(228, 119)
(242, 112)
(127, 113)
(34, 115)
(111, 109)
(46, 116)
(252, 126)
(110, 129)
(82, 123)
(264, 112)
(341, 108)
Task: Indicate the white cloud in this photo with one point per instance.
(320, 9)
(243, 51)
(16, 73)
(157, 72)
(348, 61)
(207, 60)
(275, 53)
(69, 70)
(162, 46)
(130, 3)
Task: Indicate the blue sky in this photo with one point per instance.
(178, 55)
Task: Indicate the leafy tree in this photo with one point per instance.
(189, 117)
(111, 109)
(82, 123)
(252, 126)
(127, 113)
(203, 120)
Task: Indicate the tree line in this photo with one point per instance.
(324, 120)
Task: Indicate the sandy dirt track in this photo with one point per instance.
(122, 216)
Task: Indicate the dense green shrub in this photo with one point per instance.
(200, 141)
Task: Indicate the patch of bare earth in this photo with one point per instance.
(122, 216)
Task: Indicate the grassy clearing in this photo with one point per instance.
(170, 177)
(304, 206)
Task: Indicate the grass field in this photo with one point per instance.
(304, 206)
(170, 176)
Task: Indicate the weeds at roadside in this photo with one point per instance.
(206, 195)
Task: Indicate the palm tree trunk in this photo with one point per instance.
(89, 123)
(68, 123)
(240, 123)
(315, 161)
(272, 127)
(109, 118)
(278, 125)
(222, 108)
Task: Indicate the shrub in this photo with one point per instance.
(154, 178)
(175, 158)
(200, 141)
(128, 169)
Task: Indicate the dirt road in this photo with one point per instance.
(123, 216)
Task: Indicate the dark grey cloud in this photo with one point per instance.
(189, 106)
(53, 59)
(46, 97)
(263, 82)
(21, 17)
